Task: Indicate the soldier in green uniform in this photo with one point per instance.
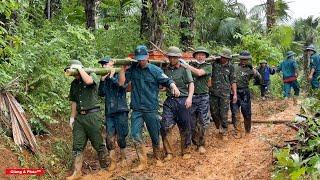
(84, 119)
(201, 71)
(223, 80)
(176, 109)
(244, 73)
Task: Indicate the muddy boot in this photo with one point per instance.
(247, 124)
(201, 150)
(77, 168)
(113, 161)
(102, 156)
(167, 144)
(123, 157)
(157, 156)
(168, 157)
(142, 159)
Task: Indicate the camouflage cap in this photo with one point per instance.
(245, 55)
(226, 53)
(263, 62)
(105, 60)
(174, 51)
(290, 53)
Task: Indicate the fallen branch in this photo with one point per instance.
(271, 121)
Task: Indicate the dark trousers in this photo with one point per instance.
(200, 119)
(116, 125)
(175, 112)
(244, 104)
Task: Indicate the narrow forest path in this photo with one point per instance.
(249, 157)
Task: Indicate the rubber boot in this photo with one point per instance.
(142, 155)
(247, 124)
(157, 156)
(77, 168)
(102, 156)
(123, 157)
(185, 148)
(113, 159)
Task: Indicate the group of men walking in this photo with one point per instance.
(190, 99)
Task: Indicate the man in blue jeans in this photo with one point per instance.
(145, 80)
(116, 112)
(289, 70)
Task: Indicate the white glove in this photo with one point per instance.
(71, 122)
(76, 66)
(183, 62)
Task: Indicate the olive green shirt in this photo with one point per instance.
(201, 82)
(243, 76)
(86, 96)
(223, 76)
(182, 77)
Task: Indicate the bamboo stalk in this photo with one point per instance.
(98, 71)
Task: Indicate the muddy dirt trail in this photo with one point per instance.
(249, 157)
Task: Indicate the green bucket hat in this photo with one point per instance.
(71, 62)
(201, 49)
(174, 51)
(226, 53)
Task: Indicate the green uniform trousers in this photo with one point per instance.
(87, 127)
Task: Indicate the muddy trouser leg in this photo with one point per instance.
(263, 89)
(137, 124)
(121, 126)
(94, 132)
(215, 111)
(224, 108)
(153, 125)
(234, 110)
(183, 122)
(110, 131)
(203, 119)
(245, 103)
(166, 124)
(193, 121)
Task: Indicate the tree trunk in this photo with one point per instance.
(52, 8)
(90, 10)
(187, 23)
(157, 20)
(145, 21)
(271, 14)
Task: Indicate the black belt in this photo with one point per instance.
(85, 112)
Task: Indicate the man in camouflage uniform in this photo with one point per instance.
(176, 109)
(223, 80)
(116, 112)
(84, 119)
(145, 80)
(244, 73)
(314, 67)
(201, 71)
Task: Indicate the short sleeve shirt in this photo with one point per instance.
(85, 96)
(181, 77)
(201, 82)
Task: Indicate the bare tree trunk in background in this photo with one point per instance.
(157, 20)
(90, 10)
(187, 23)
(271, 14)
(52, 8)
(145, 21)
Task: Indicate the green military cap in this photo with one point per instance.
(174, 51)
(201, 49)
(226, 53)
